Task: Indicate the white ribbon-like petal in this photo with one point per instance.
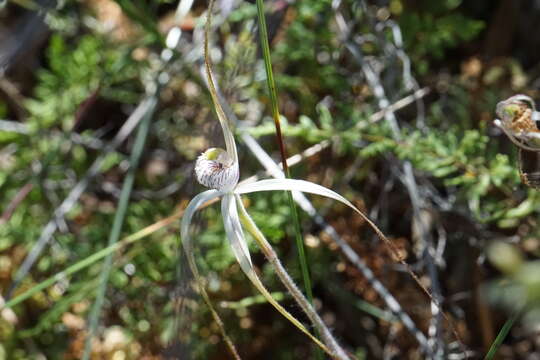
(235, 235)
(291, 185)
(311, 188)
(192, 207)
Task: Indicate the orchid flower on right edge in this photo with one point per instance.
(518, 117)
(218, 170)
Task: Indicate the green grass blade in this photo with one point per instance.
(502, 335)
(119, 216)
(84, 263)
(275, 114)
(63, 274)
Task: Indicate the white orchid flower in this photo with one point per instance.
(215, 168)
(218, 169)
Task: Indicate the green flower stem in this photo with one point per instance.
(275, 114)
(222, 117)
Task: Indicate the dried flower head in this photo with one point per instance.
(517, 115)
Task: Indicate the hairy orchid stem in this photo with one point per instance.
(328, 338)
(262, 289)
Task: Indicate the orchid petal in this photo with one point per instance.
(311, 188)
(192, 207)
(235, 233)
(291, 185)
(227, 133)
(252, 228)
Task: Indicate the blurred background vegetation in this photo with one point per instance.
(73, 72)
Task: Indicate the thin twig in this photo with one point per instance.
(410, 184)
(317, 148)
(407, 100)
(17, 199)
(14, 96)
(13, 126)
(409, 181)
